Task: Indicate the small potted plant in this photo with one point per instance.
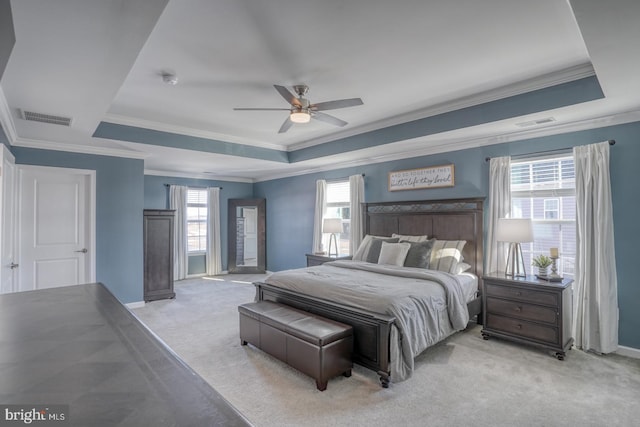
(542, 262)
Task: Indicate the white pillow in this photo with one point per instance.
(408, 238)
(393, 253)
(462, 267)
(446, 254)
(363, 249)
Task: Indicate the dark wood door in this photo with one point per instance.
(158, 254)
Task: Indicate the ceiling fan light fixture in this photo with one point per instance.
(300, 117)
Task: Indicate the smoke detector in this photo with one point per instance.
(169, 78)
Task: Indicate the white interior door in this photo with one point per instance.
(55, 242)
(8, 257)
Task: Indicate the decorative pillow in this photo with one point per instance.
(462, 267)
(393, 253)
(446, 254)
(375, 247)
(363, 249)
(419, 254)
(407, 238)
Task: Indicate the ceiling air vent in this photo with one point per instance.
(45, 118)
(536, 122)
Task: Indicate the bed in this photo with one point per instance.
(381, 339)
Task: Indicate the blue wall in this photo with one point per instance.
(119, 203)
(290, 202)
(123, 191)
(156, 196)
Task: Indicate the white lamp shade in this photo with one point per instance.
(332, 225)
(514, 230)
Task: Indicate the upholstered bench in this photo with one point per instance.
(318, 347)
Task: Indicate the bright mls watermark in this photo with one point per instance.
(36, 415)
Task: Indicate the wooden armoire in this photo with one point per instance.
(158, 254)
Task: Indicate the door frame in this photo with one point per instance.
(90, 214)
(8, 224)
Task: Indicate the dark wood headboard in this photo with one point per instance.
(453, 219)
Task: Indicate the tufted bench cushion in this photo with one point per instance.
(318, 347)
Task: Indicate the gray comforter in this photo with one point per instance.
(428, 305)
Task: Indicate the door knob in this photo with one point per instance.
(13, 265)
(83, 250)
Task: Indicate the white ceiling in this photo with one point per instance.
(98, 61)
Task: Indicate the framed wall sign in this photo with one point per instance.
(414, 179)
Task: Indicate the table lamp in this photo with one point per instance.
(515, 231)
(333, 226)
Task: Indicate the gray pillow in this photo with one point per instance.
(374, 249)
(419, 254)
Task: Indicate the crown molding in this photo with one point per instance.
(6, 120)
(183, 130)
(205, 176)
(76, 148)
(548, 80)
(431, 144)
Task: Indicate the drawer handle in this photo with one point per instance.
(518, 309)
(519, 326)
(518, 294)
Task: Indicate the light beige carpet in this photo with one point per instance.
(462, 381)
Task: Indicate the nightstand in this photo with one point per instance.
(315, 259)
(529, 311)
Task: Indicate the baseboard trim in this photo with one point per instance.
(628, 352)
(132, 305)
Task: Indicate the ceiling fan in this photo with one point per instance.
(302, 111)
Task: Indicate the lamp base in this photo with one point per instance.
(332, 239)
(515, 262)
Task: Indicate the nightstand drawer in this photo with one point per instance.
(522, 310)
(518, 293)
(522, 328)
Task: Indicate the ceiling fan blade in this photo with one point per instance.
(284, 92)
(339, 103)
(328, 119)
(285, 126)
(261, 109)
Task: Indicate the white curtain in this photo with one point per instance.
(321, 207)
(595, 323)
(499, 207)
(214, 239)
(356, 189)
(178, 202)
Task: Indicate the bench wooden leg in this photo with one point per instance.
(347, 373)
(322, 385)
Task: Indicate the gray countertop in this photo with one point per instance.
(78, 348)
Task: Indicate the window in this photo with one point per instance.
(551, 207)
(544, 190)
(338, 206)
(196, 221)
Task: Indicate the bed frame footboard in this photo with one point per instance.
(371, 331)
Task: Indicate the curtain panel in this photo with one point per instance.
(321, 207)
(499, 207)
(178, 202)
(214, 238)
(595, 323)
(356, 189)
